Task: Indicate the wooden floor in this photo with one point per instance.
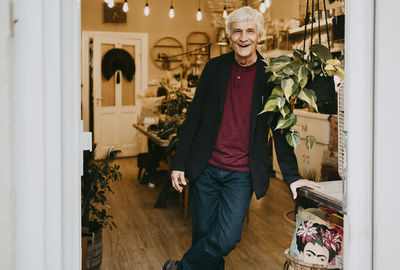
(146, 237)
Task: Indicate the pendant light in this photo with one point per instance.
(147, 9)
(267, 3)
(199, 16)
(110, 3)
(224, 13)
(262, 7)
(171, 10)
(125, 7)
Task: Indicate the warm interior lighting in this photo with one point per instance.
(110, 3)
(262, 7)
(267, 3)
(146, 9)
(171, 12)
(125, 7)
(222, 38)
(225, 13)
(199, 16)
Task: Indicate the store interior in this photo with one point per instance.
(141, 61)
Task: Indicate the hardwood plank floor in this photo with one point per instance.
(146, 237)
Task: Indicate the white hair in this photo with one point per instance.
(245, 14)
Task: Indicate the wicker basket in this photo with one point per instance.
(294, 264)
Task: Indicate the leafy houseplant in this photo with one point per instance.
(95, 183)
(96, 180)
(292, 78)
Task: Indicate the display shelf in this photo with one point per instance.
(330, 194)
(300, 30)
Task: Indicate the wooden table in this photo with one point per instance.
(152, 136)
(330, 195)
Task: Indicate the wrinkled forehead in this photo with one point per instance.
(244, 25)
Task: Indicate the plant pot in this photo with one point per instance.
(290, 221)
(324, 88)
(94, 250)
(294, 264)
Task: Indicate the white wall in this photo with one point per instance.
(7, 195)
(387, 136)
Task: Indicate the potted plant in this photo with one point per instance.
(294, 80)
(95, 184)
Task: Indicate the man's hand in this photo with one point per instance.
(178, 179)
(302, 183)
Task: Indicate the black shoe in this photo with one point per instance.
(171, 265)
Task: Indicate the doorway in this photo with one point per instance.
(111, 106)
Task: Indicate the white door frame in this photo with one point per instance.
(46, 134)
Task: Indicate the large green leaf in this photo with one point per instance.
(287, 86)
(293, 138)
(270, 105)
(333, 62)
(299, 53)
(285, 111)
(321, 52)
(287, 122)
(302, 73)
(308, 96)
(310, 141)
(280, 102)
(277, 91)
(281, 59)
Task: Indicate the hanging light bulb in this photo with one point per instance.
(146, 9)
(125, 7)
(110, 3)
(262, 8)
(199, 16)
(225, 13)
(267, 3)
(171, 11)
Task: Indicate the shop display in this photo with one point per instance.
(317, 241)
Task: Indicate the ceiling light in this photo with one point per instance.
(146, 9)
(199, 16)
(267, 3)
(225, 13)
(262, 8)
(110, 3)
(171, 11)
(125, 7)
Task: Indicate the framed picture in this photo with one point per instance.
(114, 14)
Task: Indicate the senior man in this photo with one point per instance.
(222, 146)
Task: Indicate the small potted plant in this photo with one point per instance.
(293, 79)
(95, 184)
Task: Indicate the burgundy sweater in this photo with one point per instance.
(231, 151)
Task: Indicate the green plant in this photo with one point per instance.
(95, 184)
(291, 77)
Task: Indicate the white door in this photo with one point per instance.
(115, 101)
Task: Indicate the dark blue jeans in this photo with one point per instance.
(219, 201)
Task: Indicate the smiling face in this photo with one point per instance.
(244, 39)
(315, 254)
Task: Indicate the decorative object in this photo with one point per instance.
(114, 14)
(316, 241)
(146, 9)
(167, 53)
(95, 184)
(118, 59)
(171, 10)
(198, 47)
(199, 15)
(292, 78)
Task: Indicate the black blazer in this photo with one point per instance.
(199, 133)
